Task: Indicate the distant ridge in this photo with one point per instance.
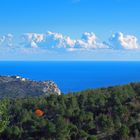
(16, 86)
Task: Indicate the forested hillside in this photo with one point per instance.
(111, 113)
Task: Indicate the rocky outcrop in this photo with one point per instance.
(16, 86)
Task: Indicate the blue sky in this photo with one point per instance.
(70, 17)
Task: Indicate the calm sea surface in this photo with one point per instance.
(75, 76)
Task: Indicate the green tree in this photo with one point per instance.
(73, 131)
(124, 131)
(92, 138)
(105, 123)
(4, 119)
(83, 135)
(13, 133)
(61, 128)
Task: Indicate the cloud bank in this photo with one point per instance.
(88, 41)
(121, 41)
(51, 44)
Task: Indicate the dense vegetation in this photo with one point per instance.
(111, 113)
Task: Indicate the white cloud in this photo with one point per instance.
(121, 41)
(52, 46)
(32, 39)
(2, 38)
(90, 38)
(52, 40)
(56, 42)
(89, 41)
(6, 40)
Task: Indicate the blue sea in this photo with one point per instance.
(73, 76)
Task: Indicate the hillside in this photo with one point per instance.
(111, 113)
(16, 86)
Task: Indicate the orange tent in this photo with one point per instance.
(39, 112)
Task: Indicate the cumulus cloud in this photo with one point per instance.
(89, 41)
(121, 41)
(6, 40)
(52, 45)
(32, 39)
(57, 40)
(52, 41)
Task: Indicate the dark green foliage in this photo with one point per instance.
(124, 131)
(4, 119)
(103, 114)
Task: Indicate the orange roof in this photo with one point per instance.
(39, 112)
